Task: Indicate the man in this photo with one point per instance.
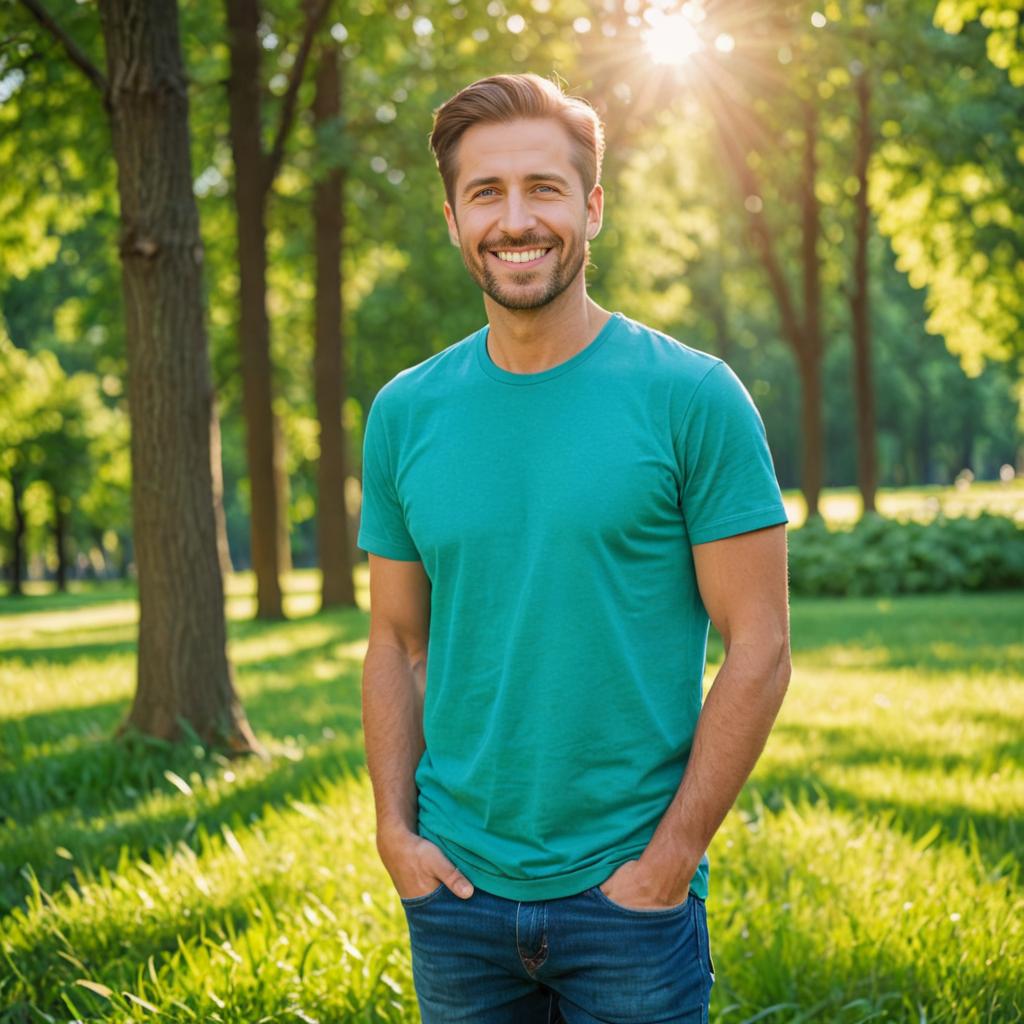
(553, 507)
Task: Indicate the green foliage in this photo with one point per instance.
(948, 179)
(885, 556)
(53, 130)
(58, 431)
(1002, 19)
(674, 251)
(870, 871)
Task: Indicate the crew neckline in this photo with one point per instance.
(499, 373)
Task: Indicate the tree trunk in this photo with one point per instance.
(860, 308)
(968, 402)
(17, 534)
(252, 185)
(217, 467)
(811, 429)
(59, 538)
(804, 337)
(328, 360)
(811, 358)
(282, 487)
(184, 677)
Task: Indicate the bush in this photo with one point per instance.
(885, 556)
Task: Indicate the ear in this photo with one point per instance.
(453, 227)
(595, 212)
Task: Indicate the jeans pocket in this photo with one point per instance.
(419, 901)
(639, 911)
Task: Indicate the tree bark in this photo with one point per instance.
(184, 677)
(860, 307)
(250, 196)
(328, 360)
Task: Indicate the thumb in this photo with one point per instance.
(454, 878)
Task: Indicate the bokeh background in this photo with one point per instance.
(830, 196)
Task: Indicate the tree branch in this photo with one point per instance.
(76, 55)
(314, 19)
(726, 119)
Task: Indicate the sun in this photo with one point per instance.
(672, 39)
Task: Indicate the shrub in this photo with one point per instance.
(885, 556)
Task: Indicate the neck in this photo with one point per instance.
(534, 340)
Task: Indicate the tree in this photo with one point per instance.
(183, 674)
(948, 183)
(328, 361)
(255, 171)
(26, 385)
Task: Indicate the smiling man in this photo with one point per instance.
(555, 508)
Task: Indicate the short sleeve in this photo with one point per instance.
(727, 479)
(382, 529)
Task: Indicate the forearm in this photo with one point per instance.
(731, 732)
(393, 687)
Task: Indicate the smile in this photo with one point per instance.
(526, 256)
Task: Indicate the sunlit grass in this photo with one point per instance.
(870, 872)
(842, 506)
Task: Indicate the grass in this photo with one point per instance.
(871, 870)
(842, 506)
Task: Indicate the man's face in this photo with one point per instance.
(520, 216)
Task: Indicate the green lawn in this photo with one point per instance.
(871, 872)
(842, 506)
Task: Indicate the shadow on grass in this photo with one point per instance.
(54, 798)
(942, 633)
(100, 774)
(79, 596)
(68, 654)
(136, 835)
(994, 839)
(65, 778)
(781, 969)
(89, 777)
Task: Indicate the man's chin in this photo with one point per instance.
(523, 298)
(521, 303)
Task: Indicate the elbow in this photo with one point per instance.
(783, 668)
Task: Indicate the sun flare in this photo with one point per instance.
(672, 39)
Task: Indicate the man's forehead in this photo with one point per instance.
(514, 148)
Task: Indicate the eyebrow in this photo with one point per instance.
(492, 180)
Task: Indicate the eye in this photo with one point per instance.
(550, 188)
(482, 194)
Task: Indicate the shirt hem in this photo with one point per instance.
(386, 549)
(744, 523)
(554, 887)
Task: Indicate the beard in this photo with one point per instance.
(528, 289)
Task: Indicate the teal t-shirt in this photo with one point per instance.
(554, 514)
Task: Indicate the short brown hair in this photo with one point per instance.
(503, 98)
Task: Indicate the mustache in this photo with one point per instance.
(506, 242)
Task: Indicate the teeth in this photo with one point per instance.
(521, 257)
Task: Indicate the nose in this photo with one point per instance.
(516, 215)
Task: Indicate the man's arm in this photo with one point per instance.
(394, 683)
(743, 584)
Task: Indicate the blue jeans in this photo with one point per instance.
(576, 960)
